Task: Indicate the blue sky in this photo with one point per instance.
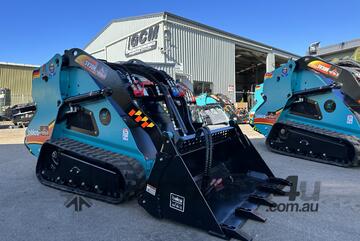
(33, 31)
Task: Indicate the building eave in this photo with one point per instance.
(19, 65)
(228, 34)
(336, 48)
(151, 15)
(167, 15)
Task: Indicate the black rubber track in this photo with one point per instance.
(131, 170)
(352, 140)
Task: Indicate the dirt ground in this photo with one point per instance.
(12, 136)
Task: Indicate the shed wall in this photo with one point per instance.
(111, 43)
(19, 80)
(204, 57)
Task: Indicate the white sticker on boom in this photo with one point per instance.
(349, 119)
(150, 189)
(125, 134)
(177, 202)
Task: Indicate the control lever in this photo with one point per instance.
(138, 88)
(174, 88)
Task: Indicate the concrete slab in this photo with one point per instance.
(31, 211)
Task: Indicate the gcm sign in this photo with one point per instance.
(142, 41)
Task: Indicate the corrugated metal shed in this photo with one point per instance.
(111, 42)
(167, 67)
(119, 29)
(205, 57)
(124, 26)
(236, 39)
(18, 78)
(339, 51)
(183, 48)
(340, 47)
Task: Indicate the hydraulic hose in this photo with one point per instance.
(208, 155)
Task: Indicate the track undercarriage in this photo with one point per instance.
(79, 168)
(314, 144)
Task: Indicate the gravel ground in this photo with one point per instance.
(31, 211)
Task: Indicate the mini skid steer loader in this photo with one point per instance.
(220, 100)
(113, 131)
(258, 102)
(311, 110)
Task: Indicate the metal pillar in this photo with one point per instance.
(270, 62)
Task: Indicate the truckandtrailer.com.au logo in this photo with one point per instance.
(76, 201)
(301, 198)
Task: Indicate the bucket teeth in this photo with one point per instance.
(249, 213)
(271, 189)
(261, 200)
(276, 180)
(232, 232)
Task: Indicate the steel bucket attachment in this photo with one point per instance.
(213, 180)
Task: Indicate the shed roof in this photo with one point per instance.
(167, 15)
(343, 46)
(19, 65)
